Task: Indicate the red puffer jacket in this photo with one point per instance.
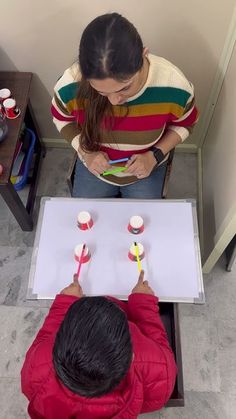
(147, 386)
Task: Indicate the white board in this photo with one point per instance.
(170, 240)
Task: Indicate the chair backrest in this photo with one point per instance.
(71, 173)
(167, 174)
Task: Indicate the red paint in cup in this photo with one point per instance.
(132, 252)
(136, 225)
(10, 108)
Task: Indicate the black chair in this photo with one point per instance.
(167, 174)
(170, 318)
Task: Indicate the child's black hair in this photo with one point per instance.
(92, 351)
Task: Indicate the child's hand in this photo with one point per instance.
(74, 288)
(142, 286)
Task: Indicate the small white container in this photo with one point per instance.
(4, 94)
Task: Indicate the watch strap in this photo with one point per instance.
(158, 154)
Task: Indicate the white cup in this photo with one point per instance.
(4, 94)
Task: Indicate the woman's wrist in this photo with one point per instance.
(152, 159)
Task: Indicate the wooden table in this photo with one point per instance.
(19, 85)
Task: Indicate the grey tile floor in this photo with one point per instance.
(208, 332)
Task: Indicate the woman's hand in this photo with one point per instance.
(74, 288)
(142, 286)
(97, 162)
(141, 165)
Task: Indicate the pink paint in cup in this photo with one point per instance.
(84, 220)
(11, 110)
(78, 252)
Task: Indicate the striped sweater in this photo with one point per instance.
(166, 102)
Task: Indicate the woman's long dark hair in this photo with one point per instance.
(110, 47)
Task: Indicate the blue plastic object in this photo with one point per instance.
(20, 185)
(118, 160)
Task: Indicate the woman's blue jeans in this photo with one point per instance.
(87, 185)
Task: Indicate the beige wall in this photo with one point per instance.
(219, 169)
(43, 37)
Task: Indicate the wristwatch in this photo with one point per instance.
(159, 156)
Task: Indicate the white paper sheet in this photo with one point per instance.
(170, 264)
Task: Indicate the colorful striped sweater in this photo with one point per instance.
(166, 102)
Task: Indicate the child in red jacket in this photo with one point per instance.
(98, 357)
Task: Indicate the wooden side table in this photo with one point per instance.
(19, 85)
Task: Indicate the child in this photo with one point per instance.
(98, 357)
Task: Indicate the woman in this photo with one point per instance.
(120, 102)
